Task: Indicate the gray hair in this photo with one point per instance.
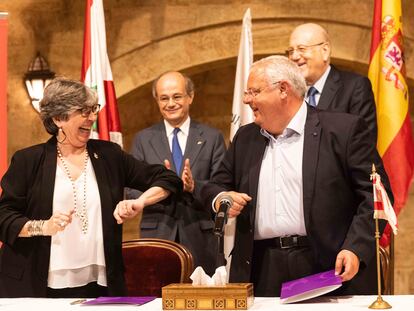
(61, 97)
(278, 68)
(189, 84)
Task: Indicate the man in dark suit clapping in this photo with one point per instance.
(194, 151)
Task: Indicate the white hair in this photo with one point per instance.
(278, 68)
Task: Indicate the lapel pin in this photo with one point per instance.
(199, 142)
(95, 155)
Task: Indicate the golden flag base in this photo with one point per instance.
(380, 304)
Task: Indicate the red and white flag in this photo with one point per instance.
(97, 74)
(382, 205)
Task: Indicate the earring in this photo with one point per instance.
(63, 133)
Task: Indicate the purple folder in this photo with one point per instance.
(118, 300)
(310, 286)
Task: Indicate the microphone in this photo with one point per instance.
(226, 202)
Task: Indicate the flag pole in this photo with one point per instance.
(379, 303)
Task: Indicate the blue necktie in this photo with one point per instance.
(311, 96)
(176, 152)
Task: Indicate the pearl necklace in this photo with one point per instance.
(83, 216)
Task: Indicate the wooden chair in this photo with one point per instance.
(151, 264)
(386, 272)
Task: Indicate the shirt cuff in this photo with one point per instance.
(213, 203)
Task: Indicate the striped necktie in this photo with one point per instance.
(311, 96)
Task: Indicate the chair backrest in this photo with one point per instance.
(386, 271)
(151, 264)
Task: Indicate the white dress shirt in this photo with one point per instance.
(318, 85)
(182, 135)
(279, 208)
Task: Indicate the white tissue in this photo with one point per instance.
(220, 276)
(199, 277)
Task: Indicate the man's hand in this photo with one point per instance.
(187, 177)
(239, 202)
(167, 164)
(349, 261)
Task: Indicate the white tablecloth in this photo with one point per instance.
(398, 303)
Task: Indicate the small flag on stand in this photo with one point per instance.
(382, 210)
(97, 74)
(382, 205)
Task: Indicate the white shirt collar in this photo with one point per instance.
(296, 124)
(321, 82)
(185, 127)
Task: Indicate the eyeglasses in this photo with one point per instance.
(86, 111)
(301, 49)
(255, 92)
(176, 98)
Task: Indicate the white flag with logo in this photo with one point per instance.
(241, 113)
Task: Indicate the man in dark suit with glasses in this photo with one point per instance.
(194, 151)
(330, 88)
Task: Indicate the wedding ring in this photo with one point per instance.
(62, 223)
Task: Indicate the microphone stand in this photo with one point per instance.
(221, 258)
(219, 224)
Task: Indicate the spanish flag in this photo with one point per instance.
(387, 75)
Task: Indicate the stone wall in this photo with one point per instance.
(201, 38)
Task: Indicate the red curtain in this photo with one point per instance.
(3, 93)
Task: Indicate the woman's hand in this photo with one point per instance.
(128, 209)
(57, 223)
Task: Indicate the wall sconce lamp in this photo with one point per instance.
(37, 77)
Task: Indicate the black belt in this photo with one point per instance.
(285, 242)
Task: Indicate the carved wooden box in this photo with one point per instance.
(234, 296)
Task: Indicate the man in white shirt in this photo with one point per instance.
(300, 183)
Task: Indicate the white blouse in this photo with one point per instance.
(76, 258)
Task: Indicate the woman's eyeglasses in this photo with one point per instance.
(85, 112)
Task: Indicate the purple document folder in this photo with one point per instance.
(310, 286)
(118, 300)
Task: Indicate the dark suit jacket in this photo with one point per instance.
(186, 217)
(351, 93)
(28, 194)
(337, 191)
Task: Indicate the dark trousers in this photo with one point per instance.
(272, 266)
(91, 290)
